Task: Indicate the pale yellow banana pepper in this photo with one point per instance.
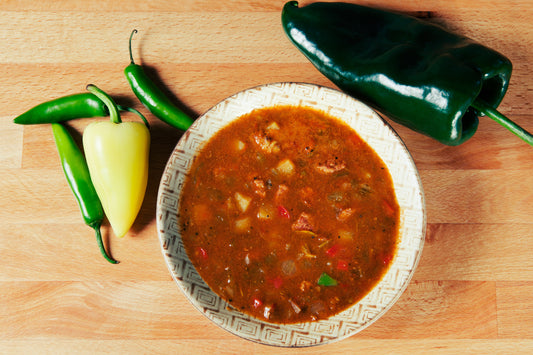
(117, 155)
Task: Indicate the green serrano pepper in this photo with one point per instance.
(64, 108)
(77, 174)
(69, 108)
(152, 97)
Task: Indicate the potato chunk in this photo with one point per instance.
(265, 212)
(243, 225)
(242, 201)
(239, 145)
(285, 167)
(273, 126)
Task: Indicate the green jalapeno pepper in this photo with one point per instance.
(64, 108)
(152, 97)
(78, 177)
(416, 73)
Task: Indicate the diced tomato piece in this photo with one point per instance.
(333, 250)
(256, 303)
(202, 213)
(386, 259)
(355, 140)
(389, 210)
(277, 282)
(283, 212)
(342, 265)
(267, 311)
(203, 253)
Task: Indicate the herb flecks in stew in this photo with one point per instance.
(288, 215)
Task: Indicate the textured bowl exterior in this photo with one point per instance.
(371, 128)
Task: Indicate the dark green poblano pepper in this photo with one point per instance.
(417, 73)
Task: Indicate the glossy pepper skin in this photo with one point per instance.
(78, 177)
(63, 109)
(117, 155)
(152, 97)
(414, 72)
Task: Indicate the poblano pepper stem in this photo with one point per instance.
(503, 121)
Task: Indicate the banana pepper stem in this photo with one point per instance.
(504, 121)
(108, 101)
(113, 107)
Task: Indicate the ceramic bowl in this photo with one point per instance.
(371, 128)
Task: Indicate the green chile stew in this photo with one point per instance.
(288, 215)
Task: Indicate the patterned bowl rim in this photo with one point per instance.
(377, 133)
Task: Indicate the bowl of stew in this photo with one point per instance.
(291, 214)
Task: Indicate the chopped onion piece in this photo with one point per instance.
(295, 307)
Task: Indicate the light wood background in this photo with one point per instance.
(470, 294)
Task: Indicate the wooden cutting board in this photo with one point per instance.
(470, 294)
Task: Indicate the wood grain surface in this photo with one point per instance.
(470, 294)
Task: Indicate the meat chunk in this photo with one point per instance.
(305, 286)
(259, 187)
(281, 192)
(303, 223)
(307, 195)
(266, 143)
(344, 214)
(331, 166)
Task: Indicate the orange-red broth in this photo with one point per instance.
(288, 215)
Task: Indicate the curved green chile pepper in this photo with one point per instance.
(152, 97)
(78, 177)
(64, 108)
(415, 72)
